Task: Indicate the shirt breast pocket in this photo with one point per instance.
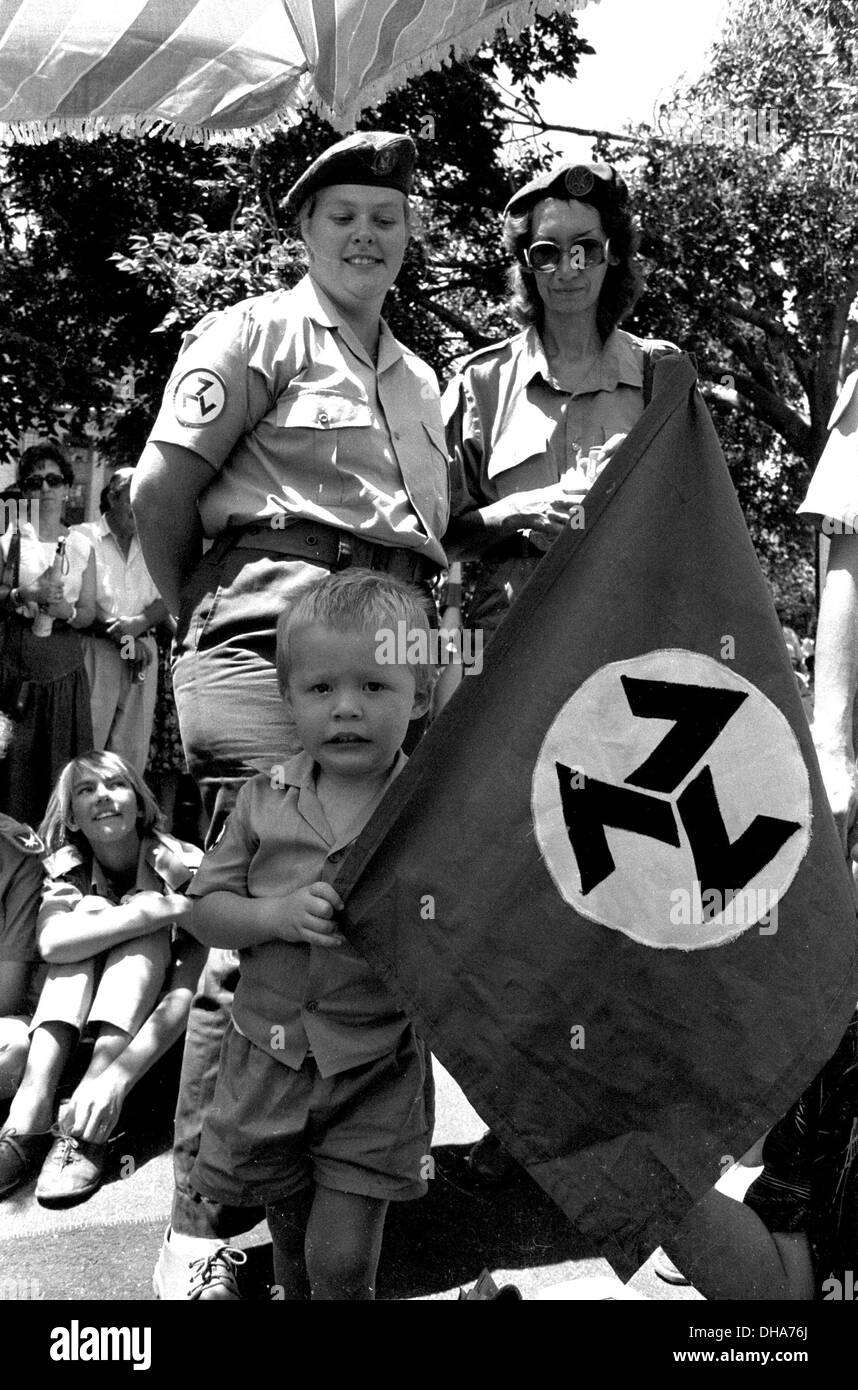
(311, 428)
(317, 410)
(523, 445)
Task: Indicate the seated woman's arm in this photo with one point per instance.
(72, 927)
(95, 1107)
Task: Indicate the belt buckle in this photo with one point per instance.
(344, 553)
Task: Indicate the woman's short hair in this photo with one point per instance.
(44, 453)
(359, 600)
(623, 281)
(55, 829)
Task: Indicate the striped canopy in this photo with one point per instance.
(214, 69)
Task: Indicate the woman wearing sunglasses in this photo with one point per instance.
(43, 683)
(532, 421)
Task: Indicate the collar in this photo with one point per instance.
(617, 364)
(300, 772)
(171, 860)
(315, 304)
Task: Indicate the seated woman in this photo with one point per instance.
(109, 929)
(795, 1235)
(20, 888)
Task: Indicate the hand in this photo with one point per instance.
(63, 609)
(43, 590)
(307, 915)
(93, 1111)
(545, 510)
(840, 778)
(157, 910)
(127, 626)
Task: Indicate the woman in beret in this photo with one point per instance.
(299, 435)
(532, 421)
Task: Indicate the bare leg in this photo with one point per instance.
(287, 1222)
(14, 1046)
(109, 1044)
(32, 1110)
(727, 1252)
(343, 1245)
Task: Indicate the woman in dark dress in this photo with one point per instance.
(43, 683)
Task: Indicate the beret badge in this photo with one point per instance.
(383, 161)
(579, 181)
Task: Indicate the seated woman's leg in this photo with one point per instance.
(131, 981)
(26, 1133)
(14, 1046)
(727, 1252)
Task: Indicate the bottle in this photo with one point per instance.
(43, 623)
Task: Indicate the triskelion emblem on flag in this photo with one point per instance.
(669, 779)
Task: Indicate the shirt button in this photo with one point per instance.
(323, 418)
(336, 855)
(311, 1006)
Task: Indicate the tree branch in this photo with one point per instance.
(462, 325)
(771, 409)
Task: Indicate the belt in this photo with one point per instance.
(327, 546)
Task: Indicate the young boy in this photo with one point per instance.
(323, 1105)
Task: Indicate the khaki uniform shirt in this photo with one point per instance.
(21, 877)
(293, 998)
(164, 863)
(279, 396)
(511, 428)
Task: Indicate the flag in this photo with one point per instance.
(607, 886)
(211, 69)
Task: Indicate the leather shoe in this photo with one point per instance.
(20, 1157)
(72, 1171)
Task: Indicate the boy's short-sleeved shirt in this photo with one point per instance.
(21, 875)
(833, 490)
(164, 863)
(282, 400)
(293, 998)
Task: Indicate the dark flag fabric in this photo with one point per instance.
(607, 886)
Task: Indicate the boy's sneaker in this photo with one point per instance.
(210, 1278)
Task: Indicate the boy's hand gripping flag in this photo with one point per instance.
(608, 887)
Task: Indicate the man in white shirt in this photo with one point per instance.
(120, 654)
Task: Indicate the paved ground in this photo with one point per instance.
(105, 1248)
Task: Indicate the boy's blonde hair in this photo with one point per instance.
(359, 600)
(55, 829)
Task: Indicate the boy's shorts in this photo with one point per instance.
(272, 1131)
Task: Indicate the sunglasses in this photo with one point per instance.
(547, 255)
(34, 482)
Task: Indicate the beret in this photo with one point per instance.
(599, 184)
(378, 158)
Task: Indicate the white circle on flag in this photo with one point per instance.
(682, 844)
(199, 398)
